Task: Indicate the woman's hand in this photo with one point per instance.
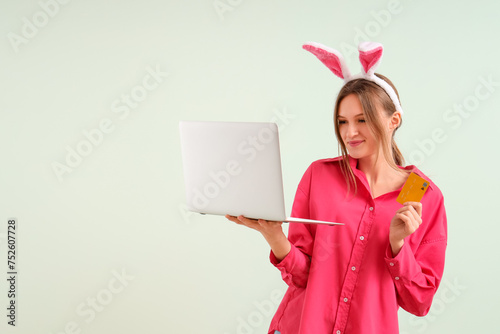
(270, 230)
(406, 221)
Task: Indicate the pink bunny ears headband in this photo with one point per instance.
(370, 55)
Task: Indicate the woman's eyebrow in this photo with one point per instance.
(340, 116)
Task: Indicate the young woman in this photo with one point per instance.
(353, 278)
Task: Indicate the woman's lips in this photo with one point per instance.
(355, 143)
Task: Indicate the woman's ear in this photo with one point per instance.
(395, 120)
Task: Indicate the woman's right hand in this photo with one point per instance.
(272, 231)
(267, 228)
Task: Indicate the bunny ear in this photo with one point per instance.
(330, 57)
(370, 54)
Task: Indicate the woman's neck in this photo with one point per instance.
(379, 172)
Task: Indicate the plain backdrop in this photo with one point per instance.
(91, 96)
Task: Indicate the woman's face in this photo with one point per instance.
(355, 132)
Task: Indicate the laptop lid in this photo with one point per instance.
(233, 168)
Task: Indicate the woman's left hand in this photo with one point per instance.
(406, 221)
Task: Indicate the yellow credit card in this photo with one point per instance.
(413, 189)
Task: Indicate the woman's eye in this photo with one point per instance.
(362, 121)
(342, 122)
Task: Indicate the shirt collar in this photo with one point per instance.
(410, 168)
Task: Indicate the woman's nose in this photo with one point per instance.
(352, 130)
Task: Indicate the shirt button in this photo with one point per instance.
(396, 278)
(391, 264)
(362, 238)
(371, 208)
(353, 268)
(338, 332)
(345, 300)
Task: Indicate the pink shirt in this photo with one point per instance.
(343, 279)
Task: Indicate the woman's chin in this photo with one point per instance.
(356, 154)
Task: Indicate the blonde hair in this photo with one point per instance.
(371, 96)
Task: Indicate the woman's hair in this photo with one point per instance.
(371, 96)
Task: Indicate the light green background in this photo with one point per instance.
(121, 209)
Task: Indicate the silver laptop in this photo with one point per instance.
(234, 168)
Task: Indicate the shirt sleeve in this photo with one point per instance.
(295, 266)
(418, 268)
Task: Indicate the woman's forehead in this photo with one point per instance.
(350, 106)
